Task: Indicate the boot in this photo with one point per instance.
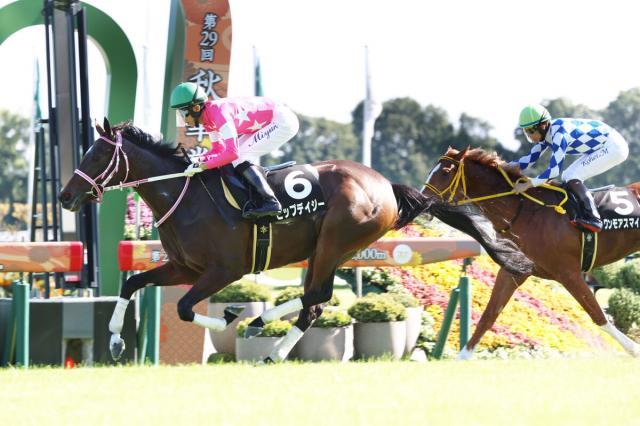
(270, 205)
(589, 218)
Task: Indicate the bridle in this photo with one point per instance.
(98, 189)
(460, 177)
(110, 171)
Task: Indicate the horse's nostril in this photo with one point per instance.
(64, 197)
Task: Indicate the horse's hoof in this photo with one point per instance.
(233, 311)
(252, 331)
(116, 346)
(268, 360)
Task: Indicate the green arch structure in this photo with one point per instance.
(122, 75)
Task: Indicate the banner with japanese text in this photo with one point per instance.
(207, 55)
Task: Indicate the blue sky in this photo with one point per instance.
(485, 58)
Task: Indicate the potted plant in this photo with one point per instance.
(258, 348)
(290, 293)
(254, 297)
(330, 338)
(414, 316)
(380, 328)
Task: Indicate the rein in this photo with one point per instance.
(113, 167)
(460, 177)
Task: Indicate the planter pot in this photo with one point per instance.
(414, 323)
(255, 349)
(225, 341)
(373, 339)
(326, 344)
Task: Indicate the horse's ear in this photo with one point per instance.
(107, 127)
(99, 129)
(463, 153)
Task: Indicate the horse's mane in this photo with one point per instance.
(493, 160)
(145, 140)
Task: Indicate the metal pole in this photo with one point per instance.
(465, 310)
(153, 296)
(21, 313)
(446, 323)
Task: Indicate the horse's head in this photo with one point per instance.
(446, 179)
(99, 165)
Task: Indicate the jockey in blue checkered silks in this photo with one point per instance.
(599, 146)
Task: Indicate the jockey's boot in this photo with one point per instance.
(270, 205)
(589, 218)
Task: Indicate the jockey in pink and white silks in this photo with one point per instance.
(599, 146)
(241, 130)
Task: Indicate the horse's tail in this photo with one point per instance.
(469, 220)
(411, 203)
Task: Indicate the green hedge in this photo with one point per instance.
(277, 328)
(290, 293)
(624, 307)
(242, 292)
(377, 308)
(330, 319)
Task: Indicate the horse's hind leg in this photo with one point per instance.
(506, 284)
(309, 313)
(277, 312)
(579, 289)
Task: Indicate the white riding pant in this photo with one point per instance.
(282, 128)
(613, 152)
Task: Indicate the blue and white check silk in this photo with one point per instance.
(567, 136)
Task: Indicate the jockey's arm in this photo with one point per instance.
(531, 157)
(559, 147)
(229, 142)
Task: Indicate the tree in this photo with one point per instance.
(318, 139)
(14, 139)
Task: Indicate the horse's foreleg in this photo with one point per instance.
(506, 284)
(210, 282)
(167, 274)
(580, 290)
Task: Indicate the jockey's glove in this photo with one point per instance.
(192, 169)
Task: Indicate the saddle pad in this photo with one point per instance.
(619, 209)
(298, 190)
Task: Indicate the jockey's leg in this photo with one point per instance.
(163, 275)
(579, 289)
(591, 218)
(612, 153)
(269, 204)
(506, 284)
(280, 130)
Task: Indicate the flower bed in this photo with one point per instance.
(542, 315)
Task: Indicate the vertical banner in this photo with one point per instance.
(207, 55)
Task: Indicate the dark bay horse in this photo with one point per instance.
(205, 250)
(544, 235)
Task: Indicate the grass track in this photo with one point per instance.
(541, 392)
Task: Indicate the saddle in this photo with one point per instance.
(296, 187)
(619, 209)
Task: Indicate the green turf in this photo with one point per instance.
(535, 392)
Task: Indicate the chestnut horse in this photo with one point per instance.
(210, 245)
(543, 234)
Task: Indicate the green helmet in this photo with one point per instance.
(532, 115)
(187, 94)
